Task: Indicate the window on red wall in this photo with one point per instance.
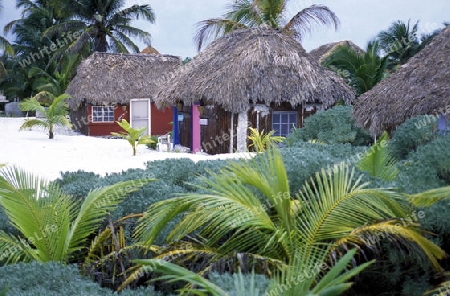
(102, 114)
(283, 122)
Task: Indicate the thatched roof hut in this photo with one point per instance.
(323, 51)
(418, 87)
(105, 78)
(150, 50)
(259, 65)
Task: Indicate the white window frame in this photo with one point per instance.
(280, 123)
(103, 117)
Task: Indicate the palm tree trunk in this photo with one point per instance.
(101, 43)
(50, 132)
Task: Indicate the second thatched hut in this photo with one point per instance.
(257, 77)
(322, 52)
(421, 86)
(109, 87)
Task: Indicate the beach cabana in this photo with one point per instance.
(421, 86)
(322, 52)
(109, 87)
(258, 77)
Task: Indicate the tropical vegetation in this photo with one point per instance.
(134, 136)
(52, 226)
(362, 71)
(326, 211)
(391, 48)
(232, 219)
(53, 115)
(248, 14)
(260, 140)
(55, 36)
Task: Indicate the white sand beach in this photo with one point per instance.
(70, 151)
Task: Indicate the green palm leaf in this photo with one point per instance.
(54, 115)
(430, 197)
(378, 160)
(97, 204)
(54, 225)
(247, 208)
(175, 273)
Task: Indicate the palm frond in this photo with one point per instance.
(335, 202)
(430, 197)
(14, 250)
(210, 29)
(175, 273)
(378, 160)
(123, 31)
(37, 209)
(136, 11)
(401, 231)
(246, 12)
(6, 46)
(96, 205)
(32, 104)
(304, 20)
(441, 290)
(30, 123)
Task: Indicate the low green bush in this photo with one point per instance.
(173, 170)
(235, 284)
(332, 126)
(55, 279)
(308, 158)
(413, 133)
(79, 183)
(47, 279)
(426, 168)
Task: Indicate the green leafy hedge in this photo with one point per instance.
(54, 279)
(413, 133)
(306, 159)
(332, 126)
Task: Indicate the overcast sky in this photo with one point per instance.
(360, 21)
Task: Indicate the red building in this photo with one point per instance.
(110, 87)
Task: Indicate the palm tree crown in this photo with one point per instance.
(400, 41)
(361, 70)
(104, 25)
(251, 13)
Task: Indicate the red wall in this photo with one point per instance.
(160, 120)
(105, 128)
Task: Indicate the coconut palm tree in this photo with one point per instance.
(399, 42)
(247, 208)
(52, 225)
(53, 115)
(252, 13)
(104, 25)
(362, 71)
(4, 45)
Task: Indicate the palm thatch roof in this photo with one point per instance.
(259, 65)
(419, 87)
(109, 78)
(323, 51)
(150, 50)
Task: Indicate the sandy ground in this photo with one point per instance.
(69, 151)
